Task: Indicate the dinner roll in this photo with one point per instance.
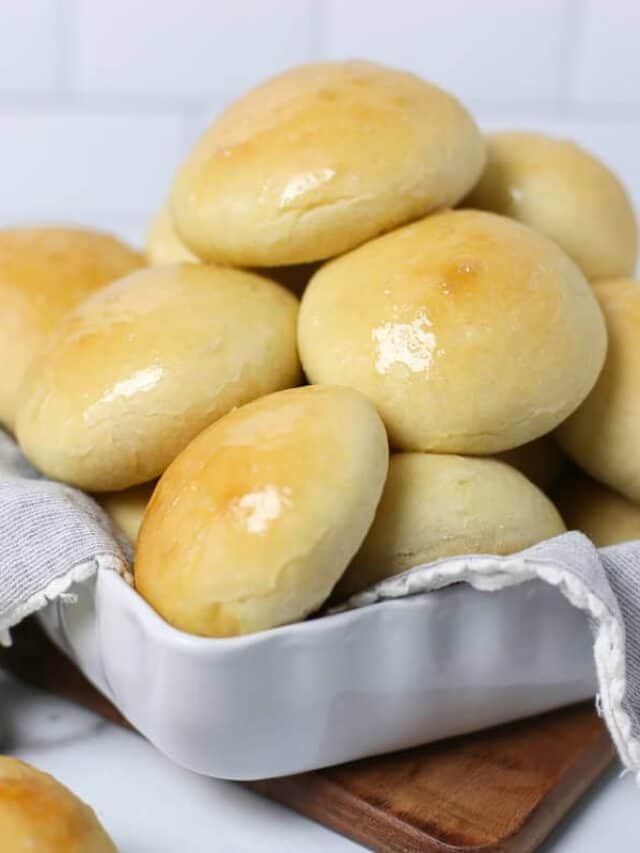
(137, 370)
(440, 505)
(271, 503)
(604, 516)
(39, 814)
(162, 244)
(127, 507)
(564, 192)
(470, 332)
(320, 159)
(541, 461)
(602, 435)
(44, 271)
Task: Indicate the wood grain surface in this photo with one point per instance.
(504, 789)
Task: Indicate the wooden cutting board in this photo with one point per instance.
(500, 790)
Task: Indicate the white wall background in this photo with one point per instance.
(99, 99)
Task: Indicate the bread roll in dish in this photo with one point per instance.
(271, 503)
(602, 436)
(604, 516)
(320, 159)
(541, 461)
(162, 244)
(470, 332)
(564, 192)
(39, 814)
(136, 371)
(127, 507)
(441, 505)
(45, 271)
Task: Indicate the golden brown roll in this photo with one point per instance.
(602, 435)
(137, 370)
(39, 814)
(162, 244)
(320, 159)
(541, 461)
(441, 505)
(271, 503)
(564, 192)
(470, 332)
(604, 516)
(127, 507)
(45, 271)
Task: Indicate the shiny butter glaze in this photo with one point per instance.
(39, 814)
(136, 371)
(45, 271)
(470, 332)
(564, 192)
(320, 159)
(271, 502)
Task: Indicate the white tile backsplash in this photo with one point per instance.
(78, 167)
(608, 58)
(100, 100)
(492, 49)
(186, 47)
(29, 45)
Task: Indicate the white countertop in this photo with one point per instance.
(151, 806)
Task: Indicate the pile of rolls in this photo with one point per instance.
(364, 337)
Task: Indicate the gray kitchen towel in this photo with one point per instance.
(52, 535)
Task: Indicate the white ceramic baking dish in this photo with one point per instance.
(383, 677)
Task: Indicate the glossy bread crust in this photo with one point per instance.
(561, 190)
(320, 159)
(39, 814)
(471, 333)
(139, 369)
(258, 517)
(442, 505)
(45, 271)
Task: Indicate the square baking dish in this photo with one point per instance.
(338, 687)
